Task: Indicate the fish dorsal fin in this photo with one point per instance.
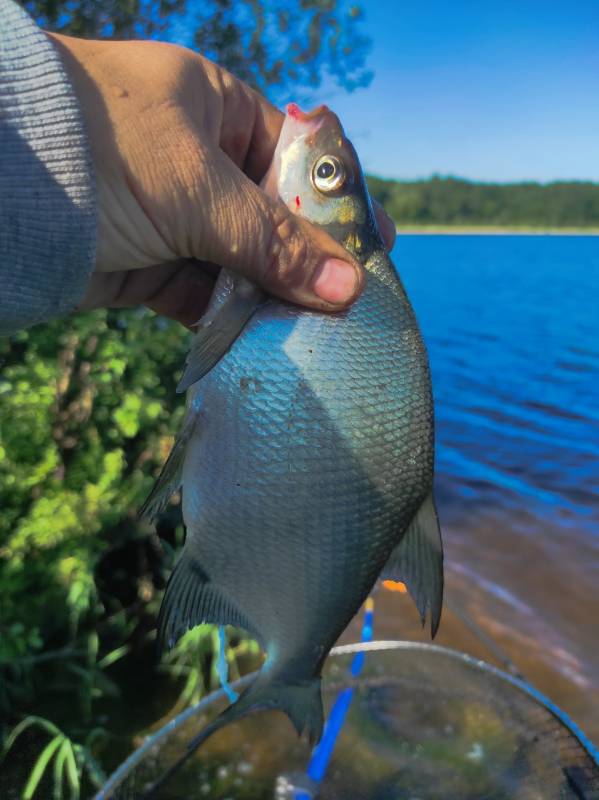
(191, 599)
(233, 302)
(418, 561)
(169, 480)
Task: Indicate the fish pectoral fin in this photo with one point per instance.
(418, 561)
(169, 480)
(233, 302)
(301, 701)
(191, 599)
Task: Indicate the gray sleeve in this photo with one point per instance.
(47, 195)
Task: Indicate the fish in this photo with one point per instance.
(306, 454)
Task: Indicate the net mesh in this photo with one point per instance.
(424, 723)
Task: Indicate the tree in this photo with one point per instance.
(275, 46)
(451, 201)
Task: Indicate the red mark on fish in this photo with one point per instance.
(297, 201)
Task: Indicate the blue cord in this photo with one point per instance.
(321, 755)
(223, 667)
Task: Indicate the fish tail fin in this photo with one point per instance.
(300, 700)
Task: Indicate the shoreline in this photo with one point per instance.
(456, 230)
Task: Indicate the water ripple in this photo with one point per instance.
(511, 327)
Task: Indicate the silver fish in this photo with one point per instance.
(306, 455)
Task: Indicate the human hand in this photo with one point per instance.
(179, 146)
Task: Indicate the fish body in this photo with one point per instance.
(306, 459)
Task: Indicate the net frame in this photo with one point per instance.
(154, 742)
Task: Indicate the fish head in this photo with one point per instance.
(316, 172)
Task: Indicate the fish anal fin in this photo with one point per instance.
(169, 480)
(233, 302)
(191, 599)
(418, 561)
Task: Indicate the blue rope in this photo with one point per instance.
(223, 666)
(321, 755)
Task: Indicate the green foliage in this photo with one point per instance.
(87, 414)
(450, 201)
(73, 401)
(278, 48)
(70, 760)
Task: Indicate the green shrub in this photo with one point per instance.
(88, 410)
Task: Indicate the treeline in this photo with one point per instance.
(451, 201)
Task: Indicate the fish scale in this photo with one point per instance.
(306, 458)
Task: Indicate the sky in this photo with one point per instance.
(483, 89)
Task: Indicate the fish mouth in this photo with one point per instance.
(300, 123)
(295, 112)
(297, 133)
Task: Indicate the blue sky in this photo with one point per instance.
(485, 90)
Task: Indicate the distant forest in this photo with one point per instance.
(450, 201)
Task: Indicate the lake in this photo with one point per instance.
(512, 328)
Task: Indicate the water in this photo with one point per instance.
(512, 327)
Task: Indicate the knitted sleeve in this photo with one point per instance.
(47, 196)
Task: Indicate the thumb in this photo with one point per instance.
(250, 233)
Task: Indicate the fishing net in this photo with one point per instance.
(420, 722)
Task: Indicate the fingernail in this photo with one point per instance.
(336, 282)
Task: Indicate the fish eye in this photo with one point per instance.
(328, 174)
